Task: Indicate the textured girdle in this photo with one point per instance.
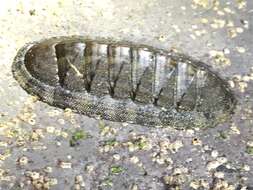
(123, 82)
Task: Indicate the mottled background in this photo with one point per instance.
(36, 140)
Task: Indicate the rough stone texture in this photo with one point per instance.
(45, 147)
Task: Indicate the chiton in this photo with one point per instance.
(123, 81)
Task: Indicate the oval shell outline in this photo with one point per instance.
(127, 110)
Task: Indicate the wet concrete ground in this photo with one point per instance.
(42, 147)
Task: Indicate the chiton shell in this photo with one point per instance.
(123, 81)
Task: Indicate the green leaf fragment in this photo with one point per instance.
(77, 136)
(249, 150)
(107, 182)
(116, 170)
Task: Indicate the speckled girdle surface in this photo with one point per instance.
(122, 81)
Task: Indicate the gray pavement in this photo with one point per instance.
(35, 148)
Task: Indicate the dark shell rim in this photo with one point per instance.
(19, 62)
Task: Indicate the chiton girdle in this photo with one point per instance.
(123, 81)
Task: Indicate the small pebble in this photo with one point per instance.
(214, 153)
(65, 165)
(219, 175)
(22, 160)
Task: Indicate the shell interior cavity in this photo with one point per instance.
(122, 81)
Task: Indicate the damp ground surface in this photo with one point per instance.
(43, 147)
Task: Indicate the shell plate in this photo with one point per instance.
(122, 81)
